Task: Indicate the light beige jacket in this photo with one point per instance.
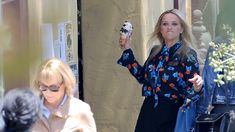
(74, 116)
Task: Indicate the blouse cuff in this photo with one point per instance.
(126, 58)
(194, 97)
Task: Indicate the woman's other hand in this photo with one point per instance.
(197, 82)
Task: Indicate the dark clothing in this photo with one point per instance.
(159, 119)
(165, 82)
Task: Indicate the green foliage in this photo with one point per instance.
(222, 58)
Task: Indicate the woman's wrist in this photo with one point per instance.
(199, 91)
(126, 47)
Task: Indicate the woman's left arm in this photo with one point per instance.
(193, 80)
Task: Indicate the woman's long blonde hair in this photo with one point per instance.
(186, 36)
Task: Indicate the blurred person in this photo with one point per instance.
(169, 76)
(61, 112)
(20, 110)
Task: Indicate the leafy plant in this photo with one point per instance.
(222, 57)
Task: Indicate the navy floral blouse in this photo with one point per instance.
(166, 75)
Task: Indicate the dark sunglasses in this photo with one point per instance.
(52, 88)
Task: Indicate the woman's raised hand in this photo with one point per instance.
(124, 42)
(125, 35)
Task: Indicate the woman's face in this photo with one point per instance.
(52, 90)
(170, 28)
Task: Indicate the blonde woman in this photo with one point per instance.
(61, 112)
(169, 75)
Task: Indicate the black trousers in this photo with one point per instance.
(162, 118)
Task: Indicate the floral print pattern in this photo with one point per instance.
(166, 75)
